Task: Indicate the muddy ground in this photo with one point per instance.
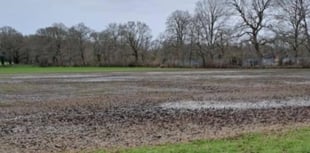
(85, 111)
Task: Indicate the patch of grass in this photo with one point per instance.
(296, 141)
(35, 69)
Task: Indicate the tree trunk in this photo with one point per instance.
(83, 58)
(257, 49)
(136, 56)
(2, 60)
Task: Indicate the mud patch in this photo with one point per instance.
(297, 82)
(238, 76)
(104, 79)
(195, 105)
(73, 111)
(192, 72)
(11, 81)
(250, 76)
(54, 76)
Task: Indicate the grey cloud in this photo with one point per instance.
(29, 15)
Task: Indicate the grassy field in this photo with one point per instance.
(26, 69)
(34, 69)
(295, 141)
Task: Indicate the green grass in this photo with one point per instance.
(296, 141)
(34, 69)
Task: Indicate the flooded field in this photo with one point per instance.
(78, 111)
(267, 104)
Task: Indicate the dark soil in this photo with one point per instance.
(75, 112)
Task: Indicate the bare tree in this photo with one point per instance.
(80, 34)
(138, 37)
(97, 46)
(290, 23)
(55, 39)
(10, 44)
(254, 19)
(106, 46)
(209, 22)
(115, 44)
(178, 24)
(305, 11)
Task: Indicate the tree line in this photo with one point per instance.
(219, 33)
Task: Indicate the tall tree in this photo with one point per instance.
(254, 19)
(97, 46)
(10, 44)
(80, 35)
(115, 45)
(305, 11)
(290, 23)
(138, 37)
(55, 40)
(178, 24)
(210, 17)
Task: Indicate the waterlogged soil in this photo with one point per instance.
(84, 111)
(267, 104)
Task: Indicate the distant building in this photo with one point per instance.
(267, 60)
(304, 61)
(250, 62)
(270, 60)
(288, 61)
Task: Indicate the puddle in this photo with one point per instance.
(237, 76)
(246, 76)
(297, 83)
(11, 81)
(53, 76)
(80, 78)
(195, 105)
(148, 89)
(191, 72)
(104, 79)
(97, 78)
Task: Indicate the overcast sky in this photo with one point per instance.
(27, 16)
